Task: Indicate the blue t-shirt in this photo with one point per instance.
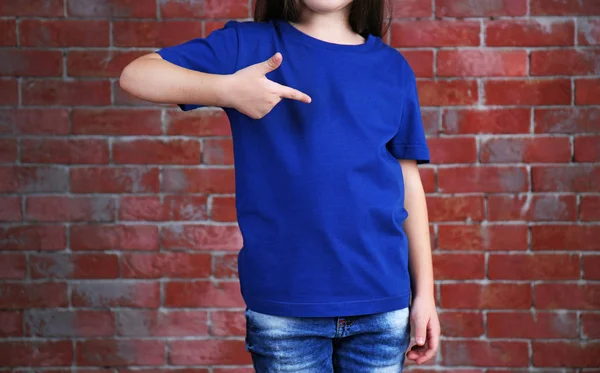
(319, 190)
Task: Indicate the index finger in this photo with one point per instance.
(294, 94)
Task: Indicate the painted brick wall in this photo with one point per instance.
(118, 241)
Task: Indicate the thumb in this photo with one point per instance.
(420, 331)
(272, 63)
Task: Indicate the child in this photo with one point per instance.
(335, 229)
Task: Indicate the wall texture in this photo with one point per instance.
(118, 241)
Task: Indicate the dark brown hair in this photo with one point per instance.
(366, 16)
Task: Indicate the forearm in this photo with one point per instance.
(153, 79)
(416, 227)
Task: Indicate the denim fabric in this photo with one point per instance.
(374, 343)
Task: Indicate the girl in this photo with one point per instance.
(336, 259)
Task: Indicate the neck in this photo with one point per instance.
(331, 26)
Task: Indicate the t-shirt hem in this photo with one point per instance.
(420, 153)
(350, 308)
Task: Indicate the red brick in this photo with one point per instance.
(203, 294)
(217, 151)
(435, 33)
(223, 209)
(201, 237)
(112, 8)
(8, 30)
(567, 120)
(174, 151)
(429, 179)
(116, 122)
(172, 208)
(109, 353)
(532, 207)
(210, 26)
(9, 92)
(587, 148)
(493, 296)
(32, 237)
(469, 8)
(114, 180)
(421, 62)
(482, 237)
(455, 208)
(208, 352)
(589, 208)
(529, 325)
(13, 266)
(36, 353)
(116, 294)
(154, 33)
(225, 266)
(63, 208)
(46, 121)
(528, 92)
(11, 323)
(65, 151)
(198, 180)
(458, 266)
(566, 354)
(64, 33)
(202, 123)
(529, 33)
(587, 91)
(99, 63)
(227, 323)
(31, 62)
(204, 9)
(171, 265)
(588, 31)
(565, 7)
(462, 324)
(251, 370)
(572, 178)
(78, 266)
(412, 8)
(68, 324)
(565, 62)
(590, 325)
(447, 92)
(152, 323)
(533, 267)
(42, 295)
(568, 296)
(10, 209)
(452, 150)
(483, 179)
(496, 121)
(565, 237)
(40, 8)
(114, 237)
(66, 93)
(481, 63)
(23, 179)
(486, 353)
(9, 150)
(526, 150)
(431, 121)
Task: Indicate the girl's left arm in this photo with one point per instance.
(423, 310)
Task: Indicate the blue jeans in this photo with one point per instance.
(373, 343)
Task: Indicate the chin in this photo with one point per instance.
(326, 6)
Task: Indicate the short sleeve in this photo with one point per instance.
(215, 54)
(409, 142)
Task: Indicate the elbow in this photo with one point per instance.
(127, 78)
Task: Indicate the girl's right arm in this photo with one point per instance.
(248, 90)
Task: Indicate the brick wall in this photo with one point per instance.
(118, 242)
